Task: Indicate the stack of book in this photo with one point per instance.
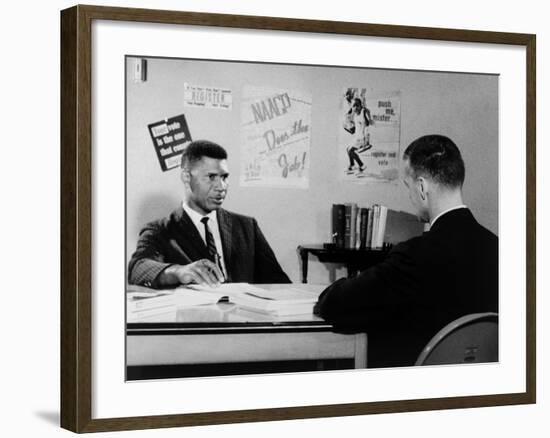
(356, 227)
(143, 302)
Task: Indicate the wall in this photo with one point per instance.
(462, 106)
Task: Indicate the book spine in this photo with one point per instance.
(347, 232)
(353, 226)
(364, 215)
(334, 223)
(338, 224)
(369, 228)
(358, 229)
(382, 226)
(375, 222)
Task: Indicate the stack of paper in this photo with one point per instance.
(278, 302)
(283, 301)
(142, 302)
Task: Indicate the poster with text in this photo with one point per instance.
(170, 138)
(276, 131)
(368, 139)
(207, 97)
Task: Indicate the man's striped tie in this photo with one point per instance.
(210, 243)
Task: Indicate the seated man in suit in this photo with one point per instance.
(200, 242)
(425, 282)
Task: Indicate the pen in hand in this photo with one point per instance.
(219, 263)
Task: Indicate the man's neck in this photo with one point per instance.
(448, 201)
(444, 201)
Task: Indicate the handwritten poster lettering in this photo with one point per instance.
(170, 137)
(369, 133)
(276, 131)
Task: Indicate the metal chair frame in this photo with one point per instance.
(469, 351)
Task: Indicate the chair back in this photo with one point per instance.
(469, 339)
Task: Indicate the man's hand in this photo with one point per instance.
(200, 272)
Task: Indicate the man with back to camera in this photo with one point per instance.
(427, 281)
(200, 242)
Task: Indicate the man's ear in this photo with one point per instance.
(185, 177)
(422, 187)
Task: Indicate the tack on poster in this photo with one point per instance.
(276, 133)
(170, 137)
(368, 136)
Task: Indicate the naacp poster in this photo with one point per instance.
(276, 132)
(368, 136)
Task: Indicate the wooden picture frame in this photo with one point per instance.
(76, 217)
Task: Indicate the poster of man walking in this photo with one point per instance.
(369, 136)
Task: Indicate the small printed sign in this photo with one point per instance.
(170, 138)
(207, 97)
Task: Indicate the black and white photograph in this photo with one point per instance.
(266, 218)
(293, 218)
(275, 219)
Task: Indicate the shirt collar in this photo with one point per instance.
(196, 216)
(446, 211)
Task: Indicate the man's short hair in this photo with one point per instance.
(201, 148)
(437, 157)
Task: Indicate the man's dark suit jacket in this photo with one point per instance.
(175, 240)
(423, 284)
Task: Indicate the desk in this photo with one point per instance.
(354, 259)
(223, 333)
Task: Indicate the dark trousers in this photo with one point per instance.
(354, 157)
